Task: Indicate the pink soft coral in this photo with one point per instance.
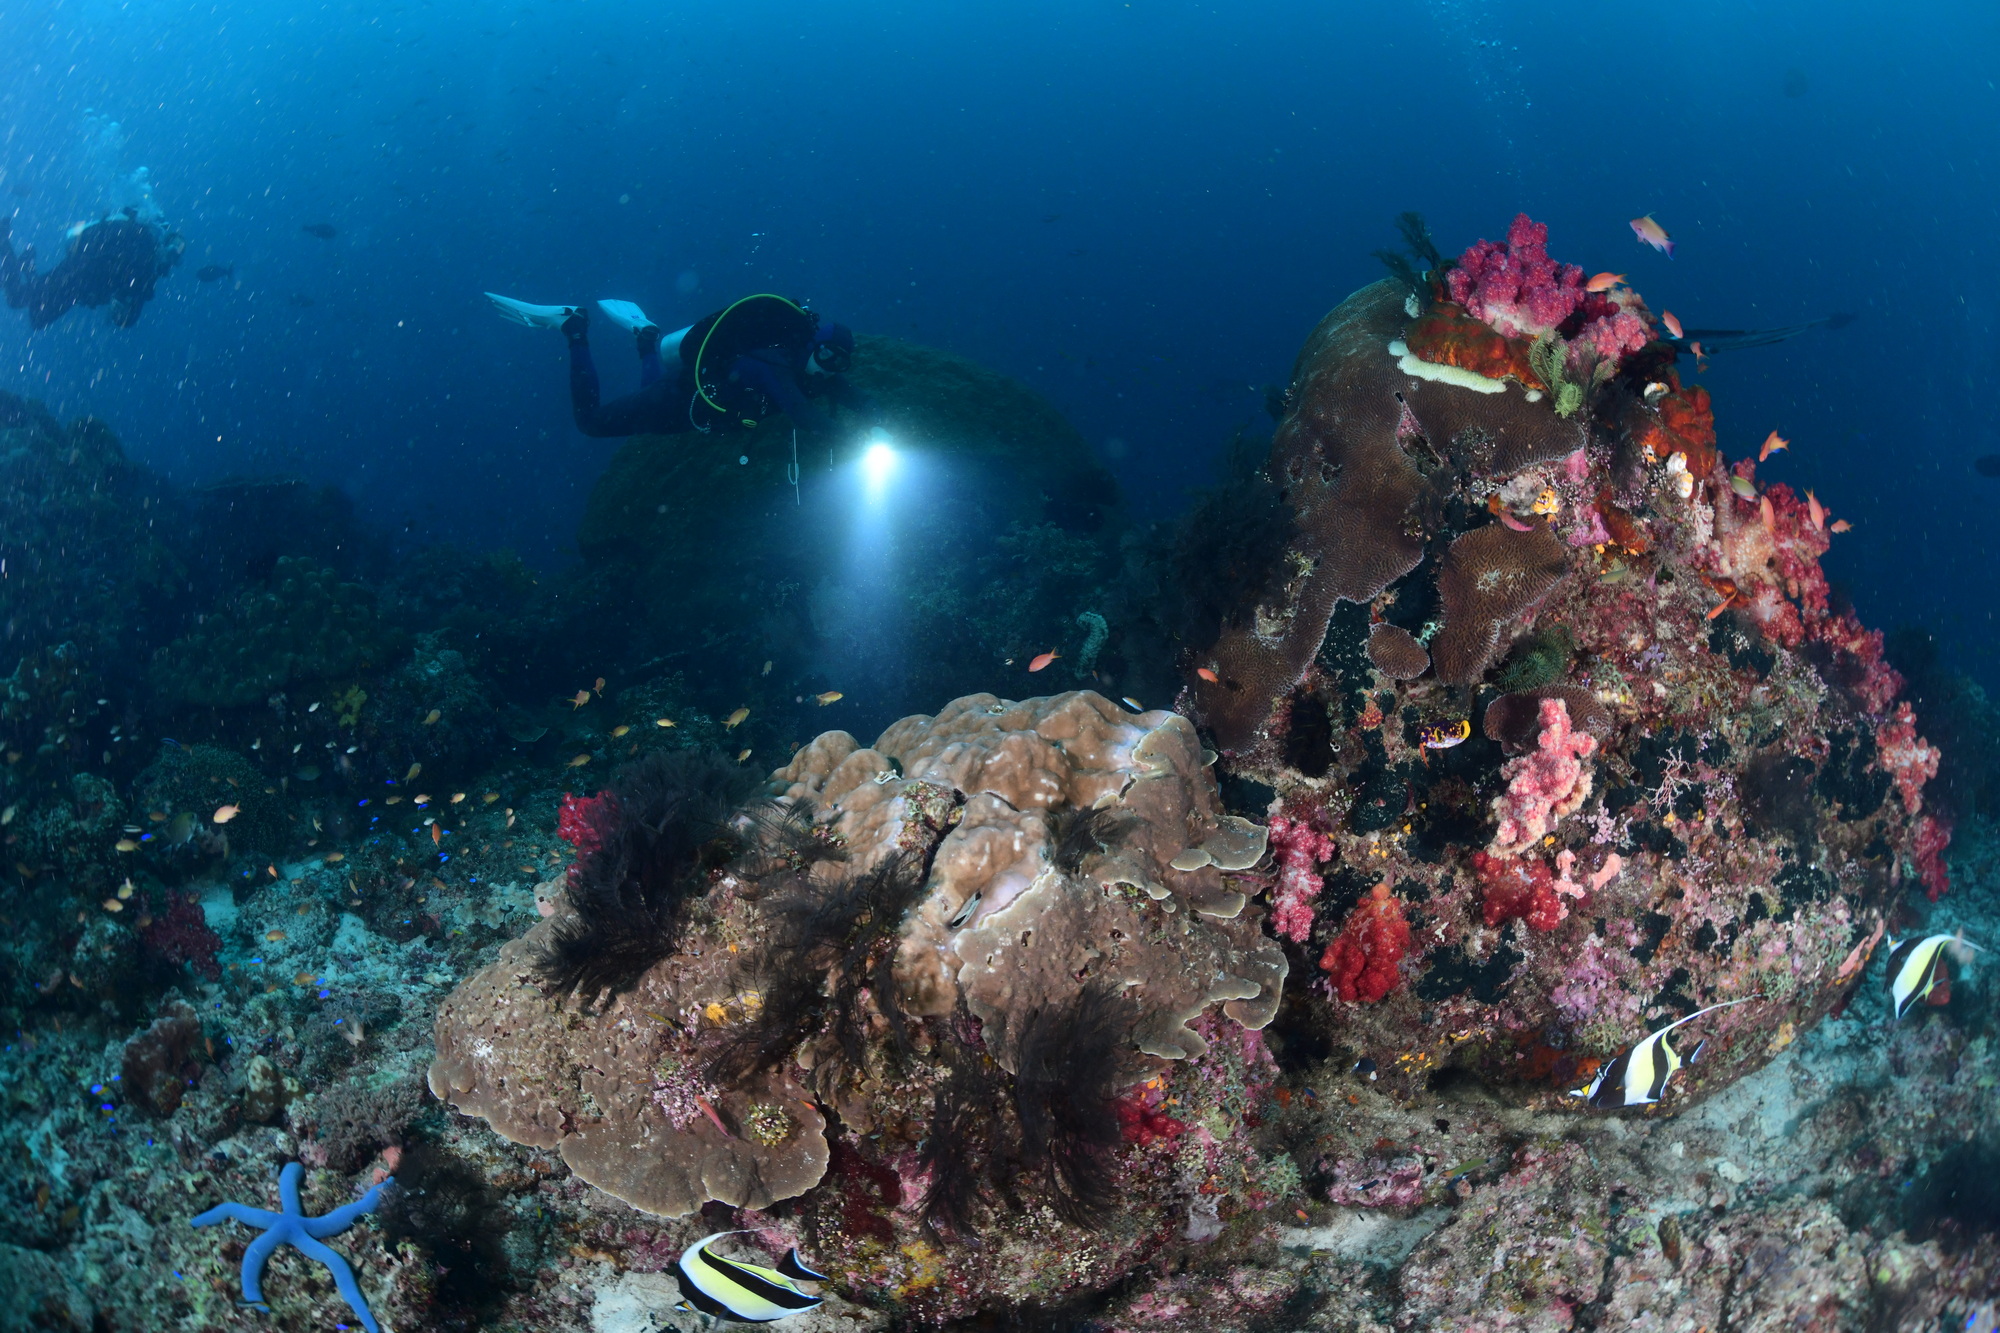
(1521, 292)
(1300, 849)
(1517, 288)
(1905, 756)
(1614, 334)
(1552, 781)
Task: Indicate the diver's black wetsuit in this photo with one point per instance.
(115, 261)
(762, 360)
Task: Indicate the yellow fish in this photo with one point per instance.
(411, 776)
(735, 719)
(432, 716)
(336, 858)
(830, 697)
(1653, 234)
(490, 797)
(620, 730)
(273, 936)
(741, 757)
(578, 700)
(766, 671)
(126, 845)
(113, 905)
(457, 796)
(665, 722)
(579, 761)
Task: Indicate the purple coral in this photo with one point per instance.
(1517, 288)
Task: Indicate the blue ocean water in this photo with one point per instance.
(1137, 208)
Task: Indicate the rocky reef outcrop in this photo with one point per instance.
(1647, 766)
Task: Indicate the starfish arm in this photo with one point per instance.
(254, 1256)
(343, 1278)
(288, 1187)
(234, 1212)
(341, 1218)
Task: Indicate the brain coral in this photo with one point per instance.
(1059, 845)
(1634, 858)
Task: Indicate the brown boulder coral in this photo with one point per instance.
(1368, 457)
(951, 909)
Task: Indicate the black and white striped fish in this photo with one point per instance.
(1917, 966)
(747, 1293)
(1639, 1076)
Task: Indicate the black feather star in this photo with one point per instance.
(830, 963)
(661, 827)
(1070, 1059)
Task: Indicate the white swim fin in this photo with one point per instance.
(625, 314)
(534, 316)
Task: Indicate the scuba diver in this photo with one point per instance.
(115, 260)
(735, 367)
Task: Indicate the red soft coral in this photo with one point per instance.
(1933, 836)
(1905, 757)
(1511, 888)
(586, 820)
(1300, 849)
(181, 936)
(1361, 961)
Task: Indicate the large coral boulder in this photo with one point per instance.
(1692, 796)
(980, 976)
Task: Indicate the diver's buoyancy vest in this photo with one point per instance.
(714, 342)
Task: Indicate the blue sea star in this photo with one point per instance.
(292, 1227)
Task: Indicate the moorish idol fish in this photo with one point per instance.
(748, 1293)
(1639, 1076)
(1916, 966)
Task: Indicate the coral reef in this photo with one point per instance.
(1034, 1013)
(1668, 804)
(307, 626)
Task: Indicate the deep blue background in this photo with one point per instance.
(1140, 208)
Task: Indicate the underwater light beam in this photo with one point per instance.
(878, 464)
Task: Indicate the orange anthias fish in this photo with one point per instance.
(1653, 234)
(1773, 443)
(1603, 282)
(1840, 525)
(225, 813)
(578, 700)
(1768, 515)
(1673, 325)
(1207, 675)
(1816, 511)
(1043, 660)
